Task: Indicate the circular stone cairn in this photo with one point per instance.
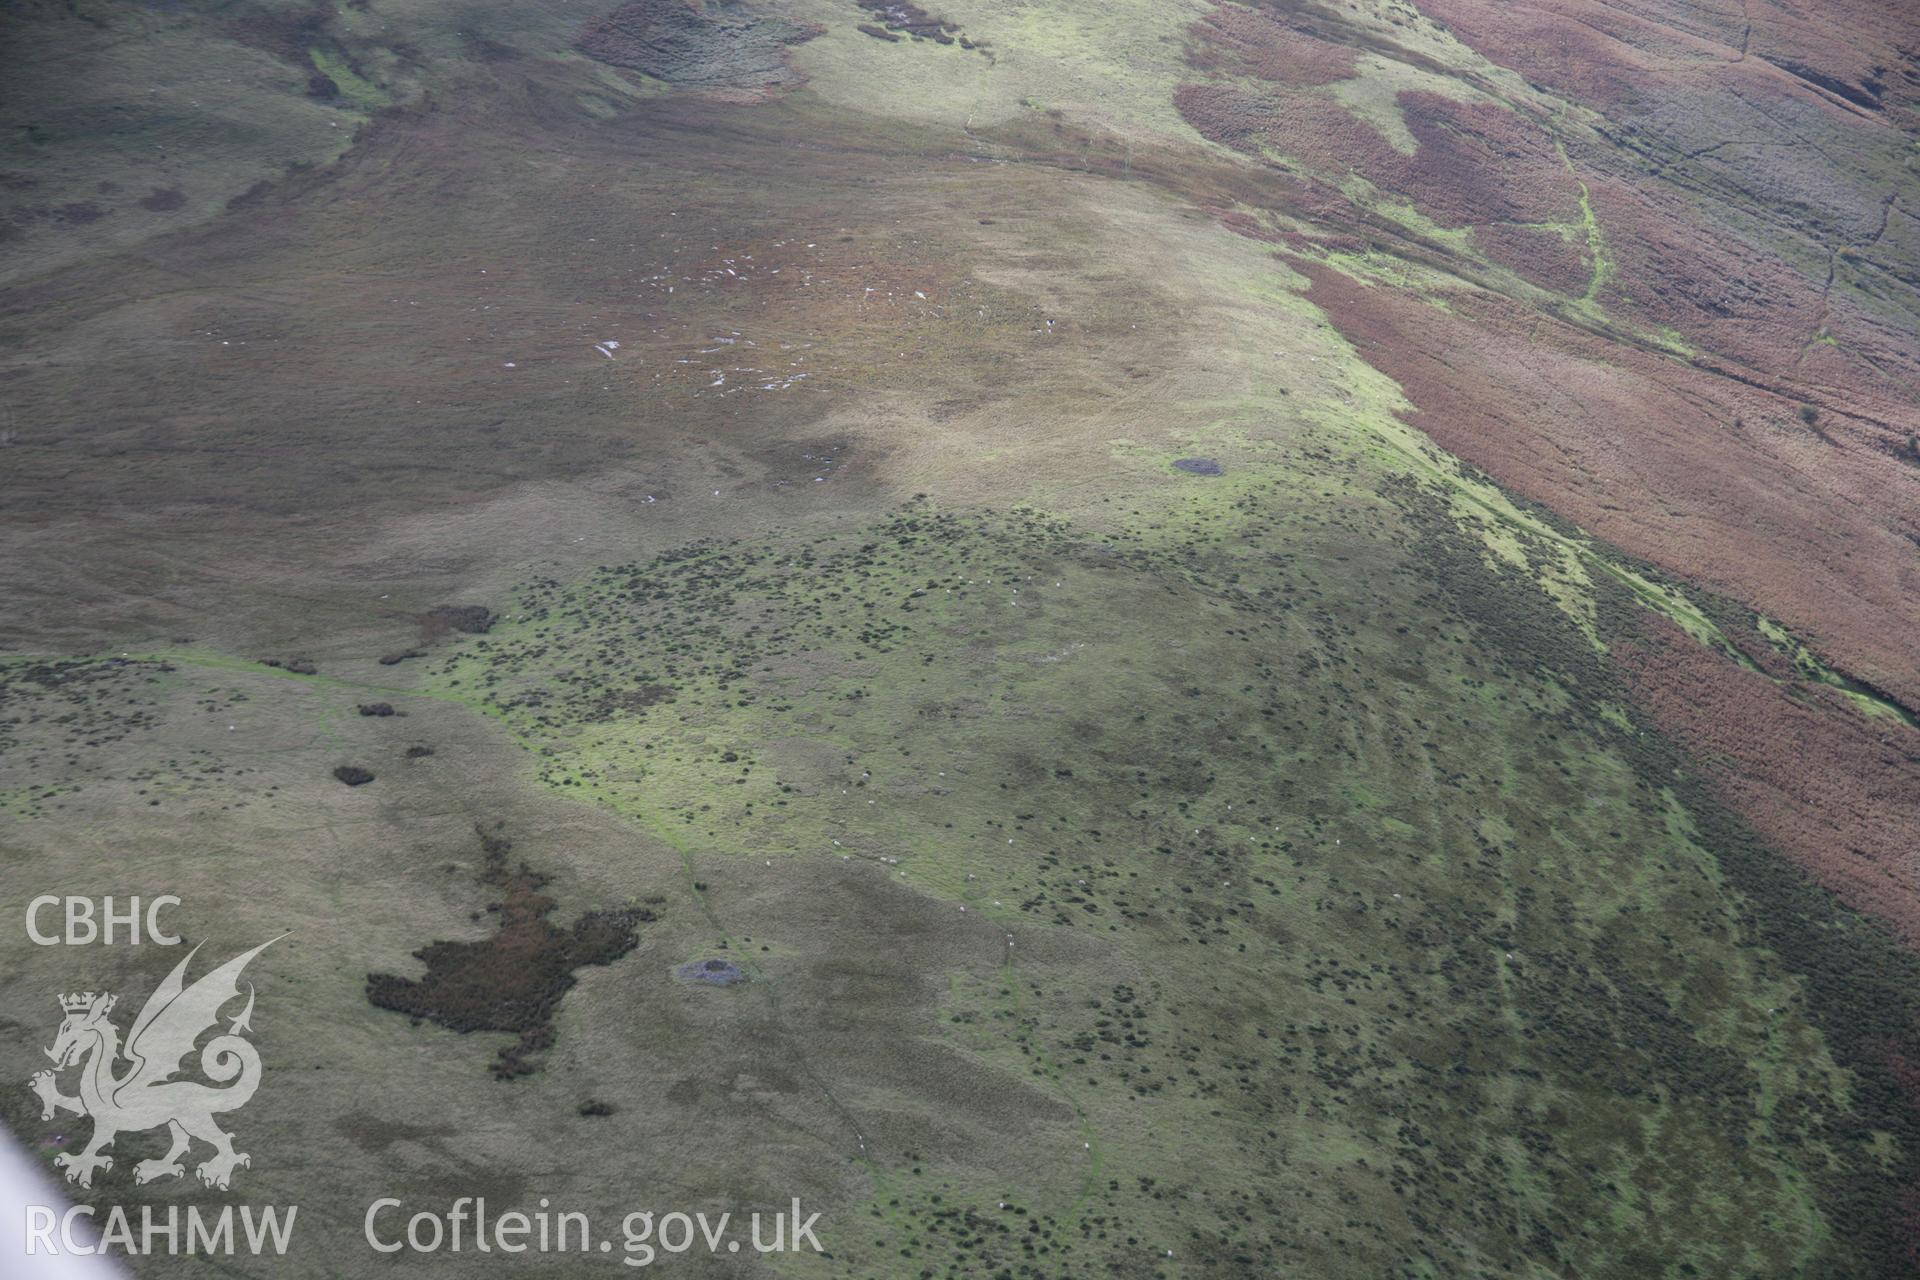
(710, 973)
(1198, 466)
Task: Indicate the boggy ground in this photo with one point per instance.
(1344, 864)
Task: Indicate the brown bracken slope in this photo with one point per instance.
(1672, 253)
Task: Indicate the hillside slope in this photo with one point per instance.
(1264, 639)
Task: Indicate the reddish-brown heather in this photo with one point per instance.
(1716, 481)
(1829, 786)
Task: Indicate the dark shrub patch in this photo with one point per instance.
(514, 980)
(473, 619)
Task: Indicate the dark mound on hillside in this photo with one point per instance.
(514, 980)
(713, 46)
(473, 619)
(904, 16)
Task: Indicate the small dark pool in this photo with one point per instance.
(1198, 466)
(710, 973)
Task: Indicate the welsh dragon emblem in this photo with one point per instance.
(145, 1095)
